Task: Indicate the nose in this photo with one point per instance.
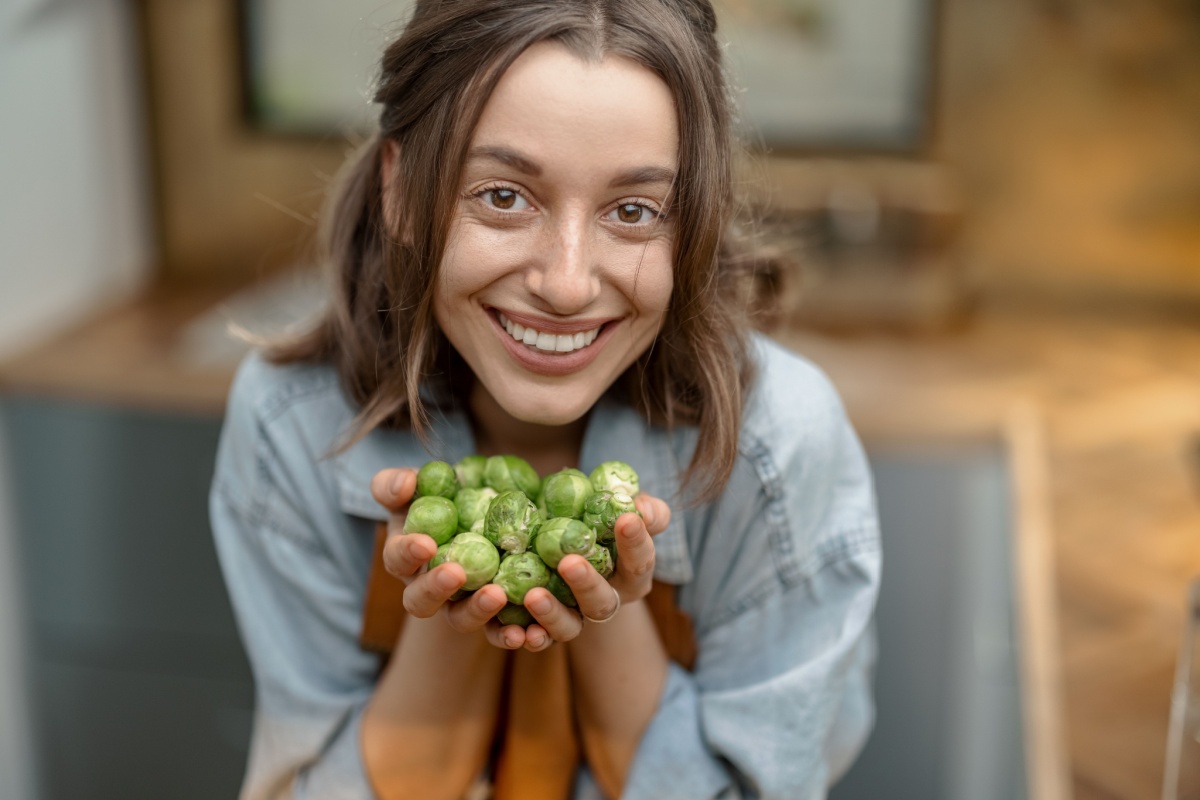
(566, 276)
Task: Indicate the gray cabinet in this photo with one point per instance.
(140, 688)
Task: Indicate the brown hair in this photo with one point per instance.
(380, 333)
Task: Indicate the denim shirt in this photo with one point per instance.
(780, 576)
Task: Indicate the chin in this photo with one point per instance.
(545, 406)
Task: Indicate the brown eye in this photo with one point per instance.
(630, 213)
(504, 198)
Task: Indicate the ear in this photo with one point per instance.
(389, 182)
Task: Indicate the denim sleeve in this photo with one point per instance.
(297, 605)
(779, 702)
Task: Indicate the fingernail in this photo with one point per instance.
(539, 605)
(511, 639)
(576, 572)
(398, 483)
(490, 604)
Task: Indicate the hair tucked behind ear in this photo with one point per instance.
(380, 333)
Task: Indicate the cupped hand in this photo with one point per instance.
(406, 555)
(428, 591)
(597, 597)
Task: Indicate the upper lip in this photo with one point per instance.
(543, 325)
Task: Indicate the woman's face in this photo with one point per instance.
(558, 268)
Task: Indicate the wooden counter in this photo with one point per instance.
(1119, 404)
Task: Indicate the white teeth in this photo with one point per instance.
(549, 342)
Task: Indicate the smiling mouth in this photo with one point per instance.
(548, 342)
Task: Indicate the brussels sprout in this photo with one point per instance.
(572, 471)
(433, 516)
(472, 504)
(562, 536)
(506, 473)
(477, 527)
(513, 614)
(615, 476)
(519, 573)
(601, 511)
(559, 588)
(603, 559)
(469, 472)
(565, 493)
(511, 522)
(475, 554)
(437, 479)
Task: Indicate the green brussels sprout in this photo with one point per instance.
(615, 476)
(559, 588)
(475, 554)
(560, 536)
(513, 614)
(472, 505)
(520, 572)
(565, 493)
(601, 511)
(469, 472)
(506, 473)
(603, 559)
(572, 471)
(433, 516)
(511, 522)
(437, 479)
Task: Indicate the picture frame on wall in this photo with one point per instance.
(807, 75)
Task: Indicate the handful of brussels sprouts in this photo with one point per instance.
(503, 524)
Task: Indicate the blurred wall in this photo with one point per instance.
(1074, 129)
(74, 233)
(75, 229)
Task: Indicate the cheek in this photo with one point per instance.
(653, 282)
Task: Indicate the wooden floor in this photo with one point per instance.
(1120, 396)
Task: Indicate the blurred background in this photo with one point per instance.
(990, 213)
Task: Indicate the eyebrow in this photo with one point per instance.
(638, 176)
(507, 157)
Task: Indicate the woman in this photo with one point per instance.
(532, 258)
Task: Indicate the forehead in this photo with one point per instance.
(552, 104)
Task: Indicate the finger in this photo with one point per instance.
(394, 488)
(556, 622)
(425, 595)
(655, 512)
(597, 598)
(635, 548)
(506, 637)
(404, 554)
(536, 638)
(474, 613)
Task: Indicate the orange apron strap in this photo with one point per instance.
(539, 746)
(383, 608)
